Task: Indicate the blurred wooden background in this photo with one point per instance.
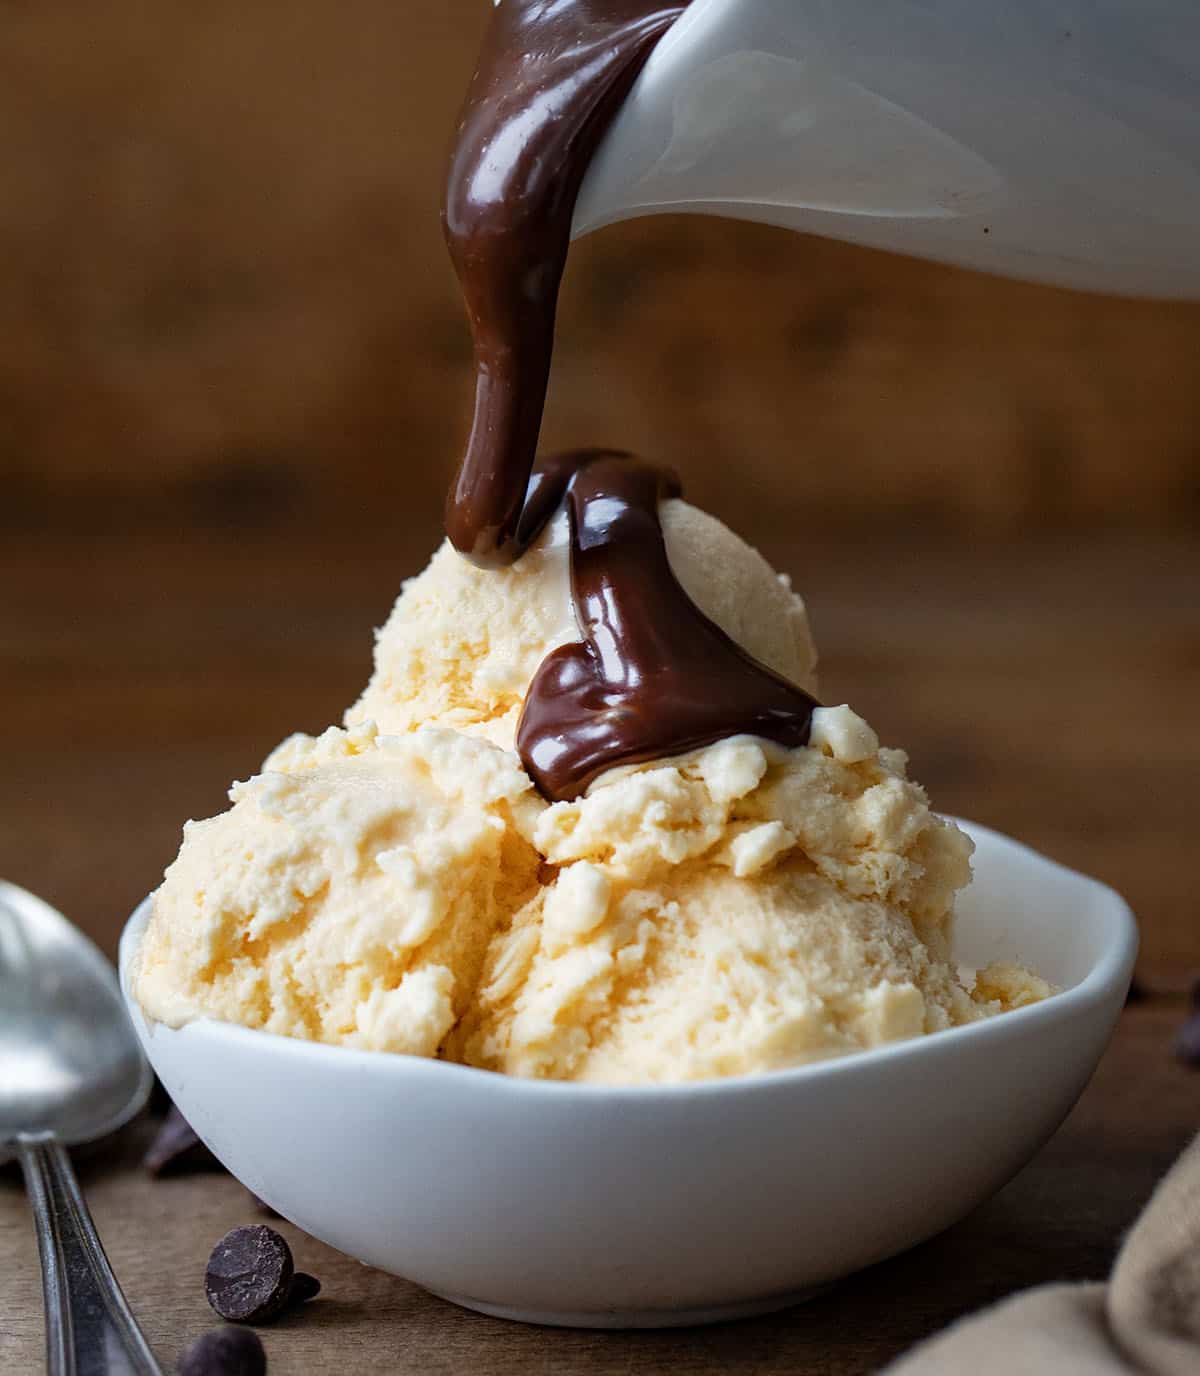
(224, 273)
(234, 376)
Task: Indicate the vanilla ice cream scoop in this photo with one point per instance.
(400, 885)
(350, 892)
(742, 908)
(462, 644)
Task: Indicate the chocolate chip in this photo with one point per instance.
(177, 1150)
(1196, 994)
(224, 1352)
(249, 1275)
(1187, 1042)
(304, 1288)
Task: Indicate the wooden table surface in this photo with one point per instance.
(1046, 687)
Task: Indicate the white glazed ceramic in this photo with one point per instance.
(1057, 140)
(591, 1206)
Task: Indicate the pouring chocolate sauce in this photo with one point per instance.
(551, 77)
(653, 676)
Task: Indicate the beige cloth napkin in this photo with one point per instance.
(1146, 1319)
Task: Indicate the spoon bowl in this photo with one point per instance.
(659, 1205)
(72, 1065)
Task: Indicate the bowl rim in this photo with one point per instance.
(1111, 970)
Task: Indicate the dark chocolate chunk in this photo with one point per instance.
(177, 1150)
(1195, 995)
(1187, 1042)
(224, 1352)
(249, 1275)
(304, 1288)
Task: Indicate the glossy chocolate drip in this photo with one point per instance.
(653, 677)
(550, 79)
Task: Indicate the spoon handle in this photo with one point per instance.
(90, 1330)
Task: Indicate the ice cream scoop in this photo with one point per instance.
(405, 885)
(462, 644)
(739, 909)
(349, 894)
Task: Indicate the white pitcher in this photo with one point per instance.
(1054, 140)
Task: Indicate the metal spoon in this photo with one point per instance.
(71, 1070)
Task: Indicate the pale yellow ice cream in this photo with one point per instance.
(349, 894)
(463, 643)
(741, 908)
(400, 886)
(735, 910)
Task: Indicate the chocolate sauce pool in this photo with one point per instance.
(654, 676)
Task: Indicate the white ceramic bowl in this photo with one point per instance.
(593, 1206)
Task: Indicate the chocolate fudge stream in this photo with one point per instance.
(653, 676)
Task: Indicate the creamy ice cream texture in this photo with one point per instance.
(462, 643)
(398, 884)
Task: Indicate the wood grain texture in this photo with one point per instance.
(1061, 1219)
(224, 274)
